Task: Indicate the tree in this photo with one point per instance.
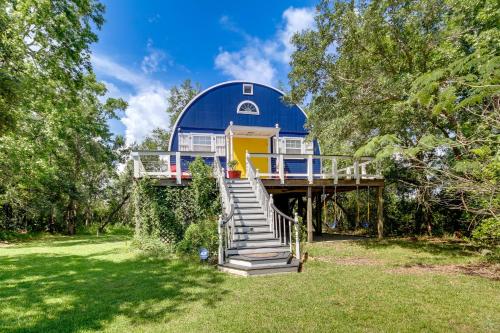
(412, 81)
(56, 151)
(179, 98)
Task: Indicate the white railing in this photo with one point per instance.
(225, 226)
(160, 164)
(328, 165)
(279, 223)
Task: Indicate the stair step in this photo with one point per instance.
(251, 204)
(240, 195)
(293, 266)
(252, 236)
(247, 205)
(256, 243)
(251, 223)
(237, 191)
(240, 185)
(252, 200)
(247, 216)
(251, 229)
(262, 259)
(250, 250)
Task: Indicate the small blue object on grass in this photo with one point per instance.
(203, 254)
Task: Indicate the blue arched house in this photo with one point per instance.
(235, 117)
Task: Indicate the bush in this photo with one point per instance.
(488, 232)
(151, 246)
(198, 235)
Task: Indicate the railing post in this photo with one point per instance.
(137, 164)
(247, 163)
(221, 245)
(310, 169)
(334, 171)
(297, 239)
(178, 167)
(281, 168)
(356, 171)
(269, 212)
(363, 170)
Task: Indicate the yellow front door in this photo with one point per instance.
(253, 145)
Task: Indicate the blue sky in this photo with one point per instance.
(145, 47)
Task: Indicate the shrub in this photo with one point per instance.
(488, 232)
(198, 235)
(151, 246)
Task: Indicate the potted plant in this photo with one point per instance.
(231, 172)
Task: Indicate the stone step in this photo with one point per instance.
(262, 259)
(291, 267)
(251, 235)
(251, 250)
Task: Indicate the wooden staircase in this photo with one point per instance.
(254, 248)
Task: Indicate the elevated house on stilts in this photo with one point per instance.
(276, 166)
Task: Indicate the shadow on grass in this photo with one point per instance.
(434, 247)
(70, 293)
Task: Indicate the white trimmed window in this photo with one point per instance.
(293, 146)
(248, 107)
(203, 142)
(247, 89)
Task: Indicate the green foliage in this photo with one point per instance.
(415, 83)
(488, 232)
(185, 217)
(232, 164)
(56, 151)
(198, 235)
(179, 98)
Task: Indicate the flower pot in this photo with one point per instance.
(232, 174)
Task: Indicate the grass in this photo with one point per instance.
(88, 283)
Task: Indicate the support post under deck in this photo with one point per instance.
(380, 212)
(309, 215)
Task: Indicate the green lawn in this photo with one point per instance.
(85, 283)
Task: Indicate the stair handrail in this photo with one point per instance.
(257, 185)
(275, 217)
(279, 223)
(225, 226)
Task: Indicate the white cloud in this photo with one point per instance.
(147, 102)
(247, 64)
(152, 62)
(260, 60)
(297, 20)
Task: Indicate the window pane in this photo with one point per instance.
(293, 146)
(202, 140)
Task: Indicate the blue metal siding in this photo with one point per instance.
(216, 108)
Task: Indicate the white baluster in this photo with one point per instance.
(297, 240)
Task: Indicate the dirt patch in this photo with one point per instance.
(355, 261)
(490, 271)
(4, 244)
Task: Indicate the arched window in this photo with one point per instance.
(248, 107)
